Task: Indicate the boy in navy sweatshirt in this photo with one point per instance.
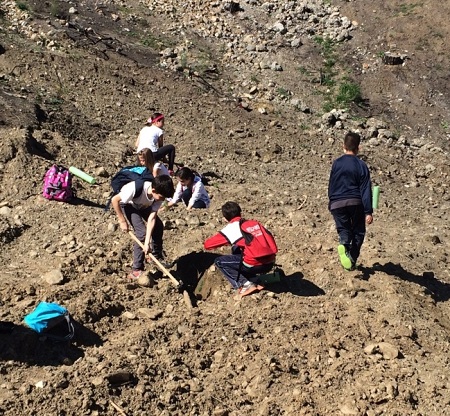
(350, 200)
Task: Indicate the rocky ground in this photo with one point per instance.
(257, 96)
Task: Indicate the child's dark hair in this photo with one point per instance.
(231, 210)
(352, 141)
(185, 174)
(149, 159)
(155, 117)
(163, 185)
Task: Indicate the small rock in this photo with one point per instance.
(347, 409)
(102, 172)
(389, 351)
(129, 315)
(5, 211)
(370, 348)
(53, 277)
(151, 313)
(145, 280)
(193, 220)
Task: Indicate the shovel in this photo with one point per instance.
(178, 284)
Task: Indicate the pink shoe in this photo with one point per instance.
(135, 274)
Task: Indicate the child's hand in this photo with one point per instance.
(146, 248)
(369, 219)
(123, 225)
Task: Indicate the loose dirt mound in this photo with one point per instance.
(77, 84)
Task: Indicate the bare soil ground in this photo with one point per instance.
(77, 85)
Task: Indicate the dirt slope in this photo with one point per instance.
(77, 85)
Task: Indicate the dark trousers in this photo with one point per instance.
(229, 266)
(187, 195)
(136, 218)
(167, 150)
(351, 227)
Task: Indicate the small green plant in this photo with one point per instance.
(408, 9)
(348, 92)
(340, 91)
(184, 61)
(151, 42)
(283, 93)
(328, 51)
(56, 10)
(54, 101)
(305, 71)
(327, 45)
(254, 79)
(445, 125)
(22, 6)
(327, 78)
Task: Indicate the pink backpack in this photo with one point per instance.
(58, 184)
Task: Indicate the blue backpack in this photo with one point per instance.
(138, 174)
(52, 320)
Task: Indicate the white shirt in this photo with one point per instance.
(142, 201)
(148, 138)
(162, 169)
(198, 193)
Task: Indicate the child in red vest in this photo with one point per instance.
(253, 250)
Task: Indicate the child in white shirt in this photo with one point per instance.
(190, 190)
(151, 137)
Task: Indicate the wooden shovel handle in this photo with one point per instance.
(154, 259)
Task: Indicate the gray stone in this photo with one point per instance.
(5, 211)
(53, 277)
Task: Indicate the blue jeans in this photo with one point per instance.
(229, 266)
(187, 195)
(351, 227)
(136, 218)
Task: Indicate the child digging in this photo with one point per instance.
(350, 200)
(190, 190)
(242, 267)
(136, 210)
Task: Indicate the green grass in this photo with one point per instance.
(339, 91)
(283, 93)
(22, 6)
(54, 102)
(305, 71)
(56, 10)
(348, 92)
(408, 9)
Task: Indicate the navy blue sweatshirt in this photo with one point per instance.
(350, 180)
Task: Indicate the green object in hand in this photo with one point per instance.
(375, 197)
